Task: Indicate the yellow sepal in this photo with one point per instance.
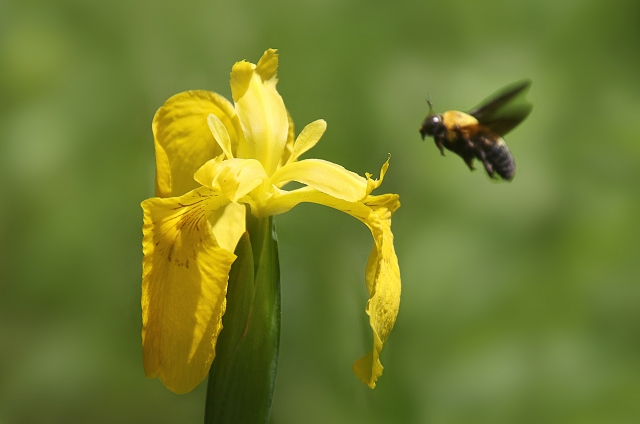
(324, 176)
(184, 282)
(382, 275)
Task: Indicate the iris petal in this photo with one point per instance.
(308, 138)
(228, 224)
(261, 109)
(184, 283)
(288, 147)
(383, 284)
(267, 66)
(220, 134)
(382, 274)
(373, 184)
(324, 176)
(183, 140)
(235, 178)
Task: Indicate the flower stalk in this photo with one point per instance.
(242, 376)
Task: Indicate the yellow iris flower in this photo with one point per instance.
(212, 159)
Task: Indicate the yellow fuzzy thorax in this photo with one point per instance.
(454, 118)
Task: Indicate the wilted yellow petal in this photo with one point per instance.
(324, 176)
(184, 284)
(261, 110)
(382, 275)
(183, 139)
(308, 138)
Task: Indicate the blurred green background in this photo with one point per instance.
(521, 301)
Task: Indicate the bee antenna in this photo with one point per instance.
(430, 103)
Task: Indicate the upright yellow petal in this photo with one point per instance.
(241, 74)
(184, 284)
(220, 134)
(288, 146)
(261, 109)
(308, 138)
(184, 141)
(267, 66)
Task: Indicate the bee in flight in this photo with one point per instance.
(478, 133)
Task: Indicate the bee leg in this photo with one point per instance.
(439, 144)
(469, 162)
(468, 155)
(487, 165)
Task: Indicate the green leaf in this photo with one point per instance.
(242, 376)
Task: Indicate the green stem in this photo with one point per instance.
(242, 376)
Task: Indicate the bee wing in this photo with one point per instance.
(505, 109)
(504, 123)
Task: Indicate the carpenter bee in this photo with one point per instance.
(478, 133)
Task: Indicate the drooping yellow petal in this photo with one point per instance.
(184, 141)
(324, 176)
(234, 178)
(308, 138)
(260, 108)
(382, 274)
(383, 284)
(184, 283)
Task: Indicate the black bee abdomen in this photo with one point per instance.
(499, 156)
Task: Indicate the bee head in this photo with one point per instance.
(432, 126)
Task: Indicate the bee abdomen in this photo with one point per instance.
(501, 158)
